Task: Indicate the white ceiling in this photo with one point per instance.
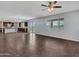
(32, 9)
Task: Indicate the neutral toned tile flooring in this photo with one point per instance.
(31, 45)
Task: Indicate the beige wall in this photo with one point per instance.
(0, 24)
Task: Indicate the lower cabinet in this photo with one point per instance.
(22, 29)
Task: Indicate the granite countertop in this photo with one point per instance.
(10, 28)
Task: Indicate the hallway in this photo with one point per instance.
(22, 44)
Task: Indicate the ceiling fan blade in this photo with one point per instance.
(44, 9)
(57, 6)
(44, 5)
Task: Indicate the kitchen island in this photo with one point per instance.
(10, 30)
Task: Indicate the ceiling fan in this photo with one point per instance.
(51, 5)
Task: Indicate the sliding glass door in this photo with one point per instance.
(31, 26)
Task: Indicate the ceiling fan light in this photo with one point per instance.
(50, 9)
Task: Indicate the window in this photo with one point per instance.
(26, 24)
(61, 24)
(56, 23)
(49, 23)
